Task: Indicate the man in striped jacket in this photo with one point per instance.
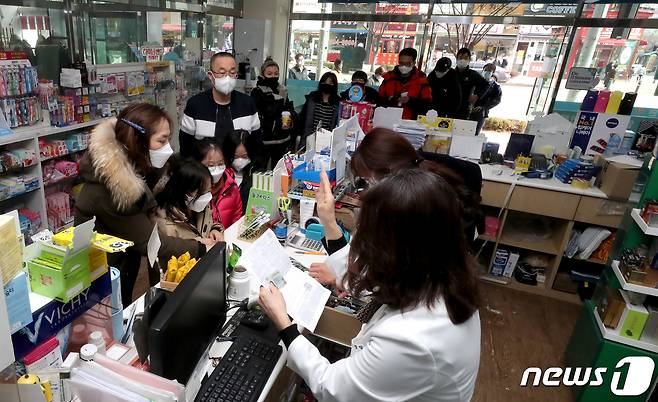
(215, 113)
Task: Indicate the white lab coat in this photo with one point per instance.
(419, 356)
(337, 262)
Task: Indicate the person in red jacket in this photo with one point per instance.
(406, 86)
(226, 204)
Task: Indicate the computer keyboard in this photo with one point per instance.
(242, 372)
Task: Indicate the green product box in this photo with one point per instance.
(633, 319)
(59, 273)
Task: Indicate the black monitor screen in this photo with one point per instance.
(185, 325)
(519, 144)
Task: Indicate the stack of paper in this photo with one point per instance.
(10, 244)
(415, 133)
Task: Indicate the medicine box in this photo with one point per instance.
(17, 297)
(633, 319)
(50, 316)
(300, 173)
(650, 332)
(59, 273)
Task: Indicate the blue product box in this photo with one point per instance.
(49, 319)
(300, 173)
(17, 297)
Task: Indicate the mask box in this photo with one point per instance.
(61, 275)
(633, 319)
(17, 297)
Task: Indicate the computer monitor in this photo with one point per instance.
(519, 144)
(184, 326)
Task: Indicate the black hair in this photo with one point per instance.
(360, 75)
(186, 176)
(464, 50)
(218, 55)
(317, 97)
(202, 147)
(231, 143)
(409, 51)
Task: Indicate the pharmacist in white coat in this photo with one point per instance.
(421, 335)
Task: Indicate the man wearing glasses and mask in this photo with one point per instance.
(215, 113)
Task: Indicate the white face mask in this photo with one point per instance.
(160, 156)
(240, 163)
(217, 172)
(404, 70)
(462, 63)
(486, 75)
(225, 85)
(200, 203)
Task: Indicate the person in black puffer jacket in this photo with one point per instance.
(273, 105)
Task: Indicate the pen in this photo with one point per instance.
(310, 252)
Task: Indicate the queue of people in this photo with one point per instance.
(422, 319)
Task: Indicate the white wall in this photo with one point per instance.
(278, 12)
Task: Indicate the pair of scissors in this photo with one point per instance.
(284, 204)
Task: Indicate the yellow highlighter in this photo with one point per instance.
(183, 259)
(172, 267)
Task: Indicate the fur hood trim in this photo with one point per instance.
(112, 167)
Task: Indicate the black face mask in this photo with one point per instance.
(327, 88)
(272, 82)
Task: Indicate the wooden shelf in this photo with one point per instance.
(613, 335)
(646, 229)
(487, 237)
(547, 246)
(630, 286)
(540, 289)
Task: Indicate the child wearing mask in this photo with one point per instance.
(406, 86)
(226, 204)
(320, 108)
(183, 203)
(238, 148)
(276, 114)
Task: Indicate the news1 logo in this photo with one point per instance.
(631, 377)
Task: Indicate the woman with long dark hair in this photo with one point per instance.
(420, 338)
(321, 107)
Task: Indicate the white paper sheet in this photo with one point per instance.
(90, 388)
(82, 234)
(305, 298)
(267, 257)
(323, 142)
(387, 117)
(153, 246)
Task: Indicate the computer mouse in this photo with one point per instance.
(254, 320)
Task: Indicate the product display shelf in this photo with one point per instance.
(62, 155)
(646, 229)
(60, 180)
(18, 135)
(630, 286)
(16, 196)
(547, 246)
(613, 335)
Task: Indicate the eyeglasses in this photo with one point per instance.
(222, 74)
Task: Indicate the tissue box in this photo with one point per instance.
(58, 273)
(17, 297)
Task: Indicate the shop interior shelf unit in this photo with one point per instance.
(646, 229)
(613, 335)
(630, 286)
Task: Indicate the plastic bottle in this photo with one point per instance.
(96, 338)
(238, 288)
(88, 351)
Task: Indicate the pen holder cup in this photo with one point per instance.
(248, 233)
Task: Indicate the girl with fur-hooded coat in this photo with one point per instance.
(116, 193)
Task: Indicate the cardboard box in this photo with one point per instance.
(62, 281)
(611, 307)
(616, 180)
(49, 317)
(337, 326)
(17, 297)
(632, 319)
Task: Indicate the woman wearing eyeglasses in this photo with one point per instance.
(219, 111)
